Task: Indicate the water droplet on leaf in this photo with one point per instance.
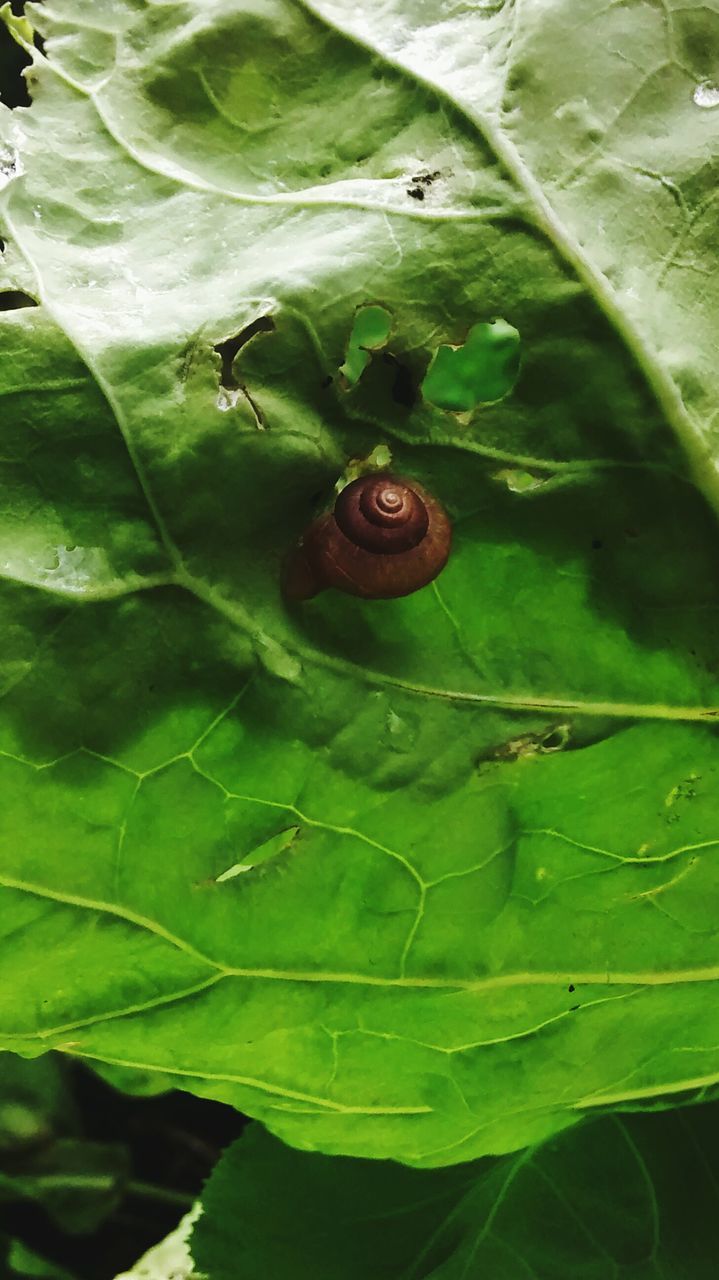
(706, 94)
(227, 398)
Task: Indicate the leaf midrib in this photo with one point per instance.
(629, 978)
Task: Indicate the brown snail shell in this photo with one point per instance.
(386, 537)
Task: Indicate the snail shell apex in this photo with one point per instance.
(385, 538)
(382, 514)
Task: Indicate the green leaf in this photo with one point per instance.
(496, 914)
(632, 1197)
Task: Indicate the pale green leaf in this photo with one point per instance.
(497, 913)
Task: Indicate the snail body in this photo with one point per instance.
(386, 537)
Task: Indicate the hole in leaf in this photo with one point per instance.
(551, 740)
(231, 389)
(519, 480)
(404, 391)
(9, 164)
(370, 332)
(229, 397)
(14, 299)
(13, 61)
(261, 853)
(556, 739)
(482, 371)
(380, 459)
(228, 349)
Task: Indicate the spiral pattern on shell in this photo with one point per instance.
(382, 514)
(386, 537)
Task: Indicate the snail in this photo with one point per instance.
(386, 537)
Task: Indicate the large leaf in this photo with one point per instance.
(631, 1198)
(480, 821)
